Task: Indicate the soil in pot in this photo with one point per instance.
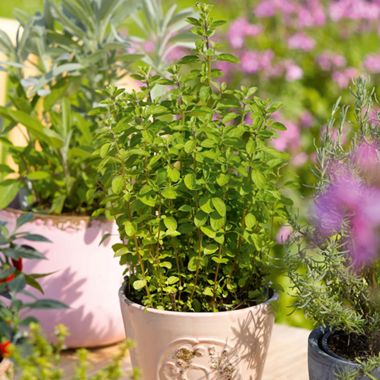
(331, 355)
(351, 346)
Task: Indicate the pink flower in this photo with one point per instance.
(289, 139)
(354, 10)
(311, 14)
(328, 61)
(239, 30)
(366, 158)
(252, 61)
(299, 159)
(301, 41)
(372, 63)
(175, 54)
(292, 71)
(149, 46)
(306, 120)
(283, 234)
(344, 77)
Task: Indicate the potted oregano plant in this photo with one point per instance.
(62, 57)
(334, 263)
(193, 184)
(15, 285)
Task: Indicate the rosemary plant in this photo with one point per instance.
(334, 263)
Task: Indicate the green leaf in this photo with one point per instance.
(8, 192)
(219, 206)
(46, 304)
(166, 264)
(23, 219)
(192, 265)
(38, 175)
(118, 184)
(129, 228)
(228, 58)
(36, 237)
(220, 260)
(205, 205)
(190, 146)
(208, 292)
(174, 174)
(188, 59)
(172, 280)
(250, 221)
(190, 181)
(210, 249)
(139, 284)
(170, 223)
(34, 126)
(222, 179)
(208, 232)
(169, 193)
(258, 178)
(200, 218)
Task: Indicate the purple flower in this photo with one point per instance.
(328, 61)
(301, 41)
(239, 30)
(344, 77)
(347, 201)
(372, 63)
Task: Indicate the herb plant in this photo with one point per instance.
(14, 282)
(59, 61)
(334, 264)
(38, 359)
(192, 183)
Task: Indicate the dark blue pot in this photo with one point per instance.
(325, 365)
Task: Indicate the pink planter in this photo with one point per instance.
(198, 346)
(86, 277)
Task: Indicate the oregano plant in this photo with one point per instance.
(193, 183)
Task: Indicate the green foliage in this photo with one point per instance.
(39, 360)
(164, 31)
(192, 183)
(13, 281)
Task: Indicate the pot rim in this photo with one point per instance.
(315, 343)
(58, 218)
(208, 314)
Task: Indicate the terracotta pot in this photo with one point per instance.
(194, 346)
(86, 277)
(6, 369)
(323, 363)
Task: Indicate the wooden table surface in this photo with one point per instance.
(286, 360)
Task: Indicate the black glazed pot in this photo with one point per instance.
(325, 365)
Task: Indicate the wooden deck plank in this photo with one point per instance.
(286, 360)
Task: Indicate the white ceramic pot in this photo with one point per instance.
(229, 345)
(85, 276)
